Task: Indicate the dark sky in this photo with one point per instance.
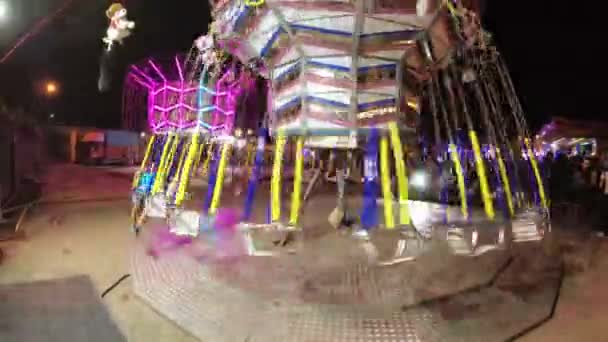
(552, 52)
(69, 51)
(553, 55)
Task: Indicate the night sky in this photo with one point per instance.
(552, 52)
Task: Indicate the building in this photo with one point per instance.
(573, 135)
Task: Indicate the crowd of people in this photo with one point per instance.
(576, 183)
(580, 181)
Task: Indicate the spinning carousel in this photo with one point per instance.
(280, 94)
(191, 116)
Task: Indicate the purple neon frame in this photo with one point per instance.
(222, 108)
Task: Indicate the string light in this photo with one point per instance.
(376, 112)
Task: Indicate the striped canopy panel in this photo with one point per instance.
(333, 64)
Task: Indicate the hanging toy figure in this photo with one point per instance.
(207, 52)
(120, 27)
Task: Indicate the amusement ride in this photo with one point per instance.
(405, 110)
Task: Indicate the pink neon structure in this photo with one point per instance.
(226, 105)
(174, 102)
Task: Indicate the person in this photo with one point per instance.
(603, 169)
(602, 200)
(579, 184)
(447, 178)
(590, 173)
(431, 167)
(1, 198)
(560, 178)
(547, 164)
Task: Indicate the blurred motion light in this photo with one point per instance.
(419, 180)
(4, 10)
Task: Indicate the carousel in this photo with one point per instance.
(318, 170)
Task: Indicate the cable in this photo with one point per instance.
(120, 280)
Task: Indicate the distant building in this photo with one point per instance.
(568, 134)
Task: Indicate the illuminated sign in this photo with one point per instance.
(376, 112)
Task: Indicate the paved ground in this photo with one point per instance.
(583, 306)
(93, 238)
(86, 238)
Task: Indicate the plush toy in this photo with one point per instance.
(206, 47)
(120, 27)
(204, 42)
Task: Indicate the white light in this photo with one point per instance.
(419, 180)
(474, 238)
(3, 10)
(421, 213)
(52, 116)
(323, 73)
(142, 134)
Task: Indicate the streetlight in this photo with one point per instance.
(51, 88)
(4, 11)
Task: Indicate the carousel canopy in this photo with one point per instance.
(331, 63)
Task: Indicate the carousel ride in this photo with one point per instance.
(190, 121)
(281, 94)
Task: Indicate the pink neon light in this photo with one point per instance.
(225, 105)
(140, 81)
(174, 106)
(181, 92)
(187, 107)
(226, 99)
(164, 124)
(160, 74)
(186, 90)
(179, 70)
(143, 74)
(151, 110)
(218, 99)
(193, 109)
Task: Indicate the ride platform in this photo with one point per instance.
(328, 288)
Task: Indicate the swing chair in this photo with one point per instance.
(328, 115)
(183, 116)
(351, 111)
(357, 82)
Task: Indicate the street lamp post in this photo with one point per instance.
(48, 91)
